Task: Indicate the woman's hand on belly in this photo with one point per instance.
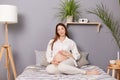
(55, 62)
(66, 53)
(59, 57)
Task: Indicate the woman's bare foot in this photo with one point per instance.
(92, 72)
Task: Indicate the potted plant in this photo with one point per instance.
(68, 10)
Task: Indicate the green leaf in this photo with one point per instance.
(103, 13)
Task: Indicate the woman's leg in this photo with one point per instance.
(68, 67)
(52, 69)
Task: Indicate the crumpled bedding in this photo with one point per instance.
(34, 72)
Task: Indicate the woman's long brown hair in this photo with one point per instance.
(57, 35)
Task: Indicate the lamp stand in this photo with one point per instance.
(8, 55)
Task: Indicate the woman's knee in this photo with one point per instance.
(52, 69)
(61, 68)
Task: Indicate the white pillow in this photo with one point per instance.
(40, 58)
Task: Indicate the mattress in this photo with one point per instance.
(34, 72)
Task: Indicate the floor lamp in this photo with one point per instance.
(8, 15)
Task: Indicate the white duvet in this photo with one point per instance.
(39, 73)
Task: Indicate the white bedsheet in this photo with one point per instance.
(39, 73)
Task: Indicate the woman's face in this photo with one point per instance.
(61, 31)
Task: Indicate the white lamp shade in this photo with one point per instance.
(8, 14)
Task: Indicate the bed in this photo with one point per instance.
(38, 72)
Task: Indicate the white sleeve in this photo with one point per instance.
(75, 52)
(49, 52)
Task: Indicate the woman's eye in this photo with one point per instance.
(58, 29)
(62, 28)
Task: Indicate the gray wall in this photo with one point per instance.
(35, 27)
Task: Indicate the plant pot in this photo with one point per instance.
(69, 19)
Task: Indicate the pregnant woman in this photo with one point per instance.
(62, 54)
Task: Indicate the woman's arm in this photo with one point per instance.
(74, 51)
(49, 56)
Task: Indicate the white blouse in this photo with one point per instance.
(67, 44)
